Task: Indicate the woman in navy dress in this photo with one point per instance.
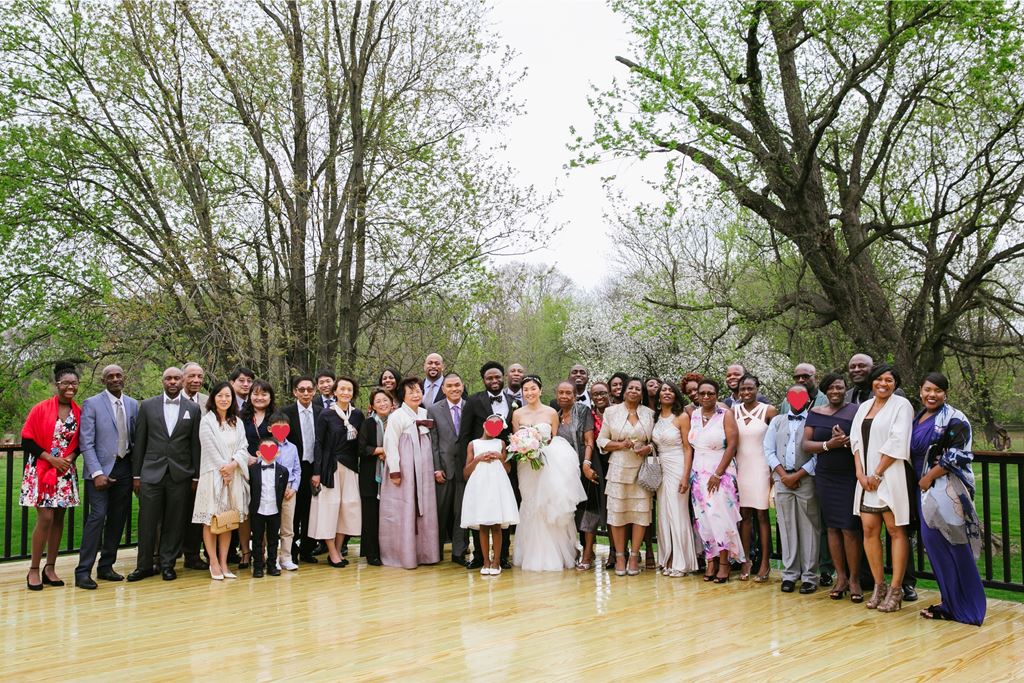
(827, 433)
(940, 450)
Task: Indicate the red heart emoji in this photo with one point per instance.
(280, 431)
(268, 451)
(494, 425)
(797, 399)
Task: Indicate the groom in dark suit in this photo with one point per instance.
(494, 400)
(165, 466)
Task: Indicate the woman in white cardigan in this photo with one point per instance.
(880, 440)
(223, 474)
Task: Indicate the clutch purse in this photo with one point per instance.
(224, 522)
(649, 475)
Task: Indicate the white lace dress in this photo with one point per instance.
(220, 445)
(546, 536)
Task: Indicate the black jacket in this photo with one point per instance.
(334, 446)
(256, 485)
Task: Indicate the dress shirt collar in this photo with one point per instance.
(114, 399)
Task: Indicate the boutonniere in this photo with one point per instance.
(515, 405)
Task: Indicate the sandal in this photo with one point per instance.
(582, 566)
(838, 593)
(762, 578)
(937, 612)
(244, 563)
(745, 572)
(649, 562)
(620, 572)
(636, 569)
(710, 569)
(856, 597)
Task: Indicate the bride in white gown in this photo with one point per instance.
(546, 538)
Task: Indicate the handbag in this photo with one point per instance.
(228, 520)
(648, 477)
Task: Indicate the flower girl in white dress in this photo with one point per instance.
(489, 504)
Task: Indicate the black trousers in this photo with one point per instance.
(302, 544)
(369, 535)
(161, 511)
(192, 534)
(271, 526)
(106, 517)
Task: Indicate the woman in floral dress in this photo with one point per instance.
(712, 435)
(50, 484)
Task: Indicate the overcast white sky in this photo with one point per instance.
(566, 46)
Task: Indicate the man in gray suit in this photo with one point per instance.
(105, 437)
(796, 504)
(450, 485)
(165, 466)
(192, 543)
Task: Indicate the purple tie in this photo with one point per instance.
(456, 417)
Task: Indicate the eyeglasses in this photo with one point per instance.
(707, 393)
(305, 390)
(801, 376)
(67, 385)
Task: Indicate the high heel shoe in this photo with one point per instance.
(723, 579)
(893, 599)
(619, 572)
(636, 570)
(33, 586)
(216, 577)
(745, 573)
(47, 580)
(877, 595)
(246, 558)
(762, 578)
(710, 569)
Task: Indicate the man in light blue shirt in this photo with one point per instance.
(796, 504)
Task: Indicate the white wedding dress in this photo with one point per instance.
(546, 538)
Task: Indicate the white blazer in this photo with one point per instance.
(890, 435)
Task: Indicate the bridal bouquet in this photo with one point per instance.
(525, 446)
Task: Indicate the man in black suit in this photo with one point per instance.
(448, 466)
(302, 420)
(433, 378)
(165, 468)
(494, 400)
(324, 381)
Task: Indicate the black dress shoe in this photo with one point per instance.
(109, 575)
(505, 564)
(320, 549)
(169, 574)
(273, 570)
(139, 575)
(343, 563)
(788, 586)
(308, 559)
(474, 564)
(195, 563)
(909, 593)
(375, 562)
(86, 582)
(807, 587)
(825, 579)
(459, 561)
(257, 572)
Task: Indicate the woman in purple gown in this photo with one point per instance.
(940, 450)
(408, 507)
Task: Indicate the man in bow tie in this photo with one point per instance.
(165, 468)
(796, 504)
(579, 378)
(493, 400)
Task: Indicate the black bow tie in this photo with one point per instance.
(497, 399)
(267, 467)
(581, 398)
(796, 417)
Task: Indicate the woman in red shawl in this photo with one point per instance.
(50, 442)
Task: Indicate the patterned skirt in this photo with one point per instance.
(66, 495)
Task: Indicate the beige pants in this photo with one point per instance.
(287, 529)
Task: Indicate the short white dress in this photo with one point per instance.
(489, 498)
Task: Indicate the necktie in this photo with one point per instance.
(456, 417)
(307, 435)
(122, 429)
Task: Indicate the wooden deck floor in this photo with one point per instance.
(446, 623)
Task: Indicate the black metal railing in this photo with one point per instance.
(19, 521)
(999, 499)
